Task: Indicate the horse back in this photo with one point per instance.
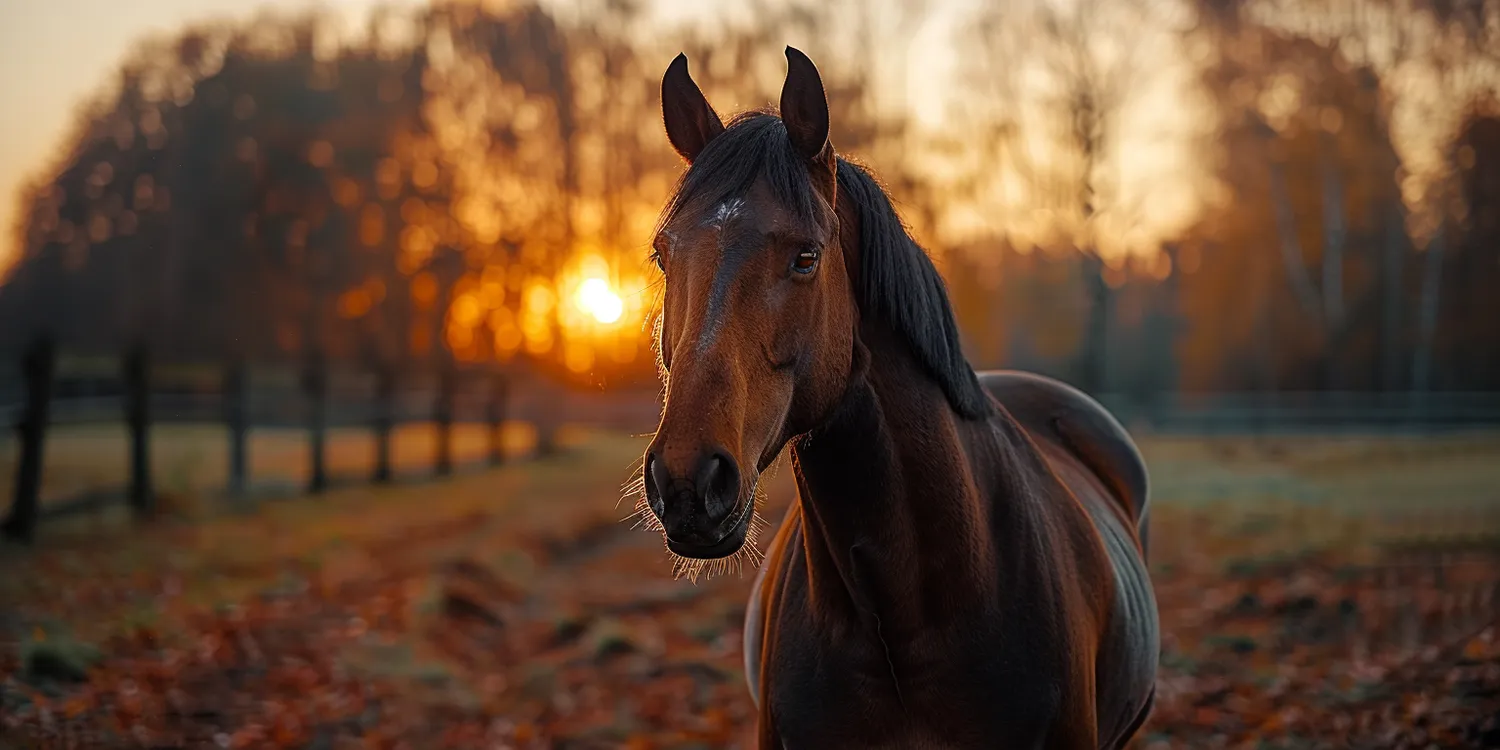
(1072, 428)
(1068, 418)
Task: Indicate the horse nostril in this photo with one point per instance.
(656, 479)
(718, 483)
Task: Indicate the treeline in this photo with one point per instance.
(1342, 162)
(434, 186)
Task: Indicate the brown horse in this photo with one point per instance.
(964, 566)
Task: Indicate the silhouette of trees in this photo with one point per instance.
(1247, 191)
(1338, 132)
(425, 192)
(1327, 202)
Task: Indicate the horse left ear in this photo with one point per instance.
(804, 110)
(690, 120)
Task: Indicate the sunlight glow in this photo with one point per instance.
(597, 299)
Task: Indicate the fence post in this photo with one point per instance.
(546, 422)
(137, 367)
(385, 417)
(495, 416)
(37, 367)
(237, 421)
(1093, 377)
(442, 417)
(315, 385)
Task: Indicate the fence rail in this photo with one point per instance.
(1298, 411)
(244, 400)
(1175, 412)
(57, 392)
(633, 412)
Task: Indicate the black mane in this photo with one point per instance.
(898, 283)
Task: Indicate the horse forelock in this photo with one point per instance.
(754, 146)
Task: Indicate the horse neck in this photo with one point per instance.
(893, 497)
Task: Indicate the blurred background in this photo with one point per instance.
(324, 333)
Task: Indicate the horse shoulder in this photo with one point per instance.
(1059, 413)
(766, 588)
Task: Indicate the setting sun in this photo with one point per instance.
(597, 299)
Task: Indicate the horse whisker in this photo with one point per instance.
(749, 552)
(641, 517)
(635, 486)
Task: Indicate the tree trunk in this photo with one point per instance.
(37, 366)
(138, 420)
(448, 266)
(1291, 247)
(1333, 257)
(385, 420)
(1265, 345)
(1432, 282)
(1334, 234)
(442, 416)
(495, 417)
(1392, 273)
(549, 403)
(1094, 375)
(237, 422)
(546, 435)
(315, 385)
(1164, 324)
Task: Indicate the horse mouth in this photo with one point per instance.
(728, 544)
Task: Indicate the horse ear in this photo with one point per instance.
(691, 122)
(804, 109)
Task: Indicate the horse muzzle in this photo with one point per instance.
(699, 503)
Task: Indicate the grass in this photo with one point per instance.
(1262, 500)
(1242, 527)
(189, 463)
(228, 555)
(1288, 495)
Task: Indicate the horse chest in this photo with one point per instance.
(849, 689)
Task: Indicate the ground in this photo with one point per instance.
(1315, 593)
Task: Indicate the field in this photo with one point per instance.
(1315, 593)
(190, 462)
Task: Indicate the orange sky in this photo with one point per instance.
(54, 54)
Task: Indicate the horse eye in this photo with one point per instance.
(658, 253)
(806, 260)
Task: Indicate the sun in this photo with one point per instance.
(597, 299)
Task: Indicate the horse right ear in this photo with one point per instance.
(691, 122)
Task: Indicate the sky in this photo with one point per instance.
(56, 54)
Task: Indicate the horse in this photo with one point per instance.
(964, 566)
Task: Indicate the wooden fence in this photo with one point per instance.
(133, 390)
(1283, 412)
(81, 391)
